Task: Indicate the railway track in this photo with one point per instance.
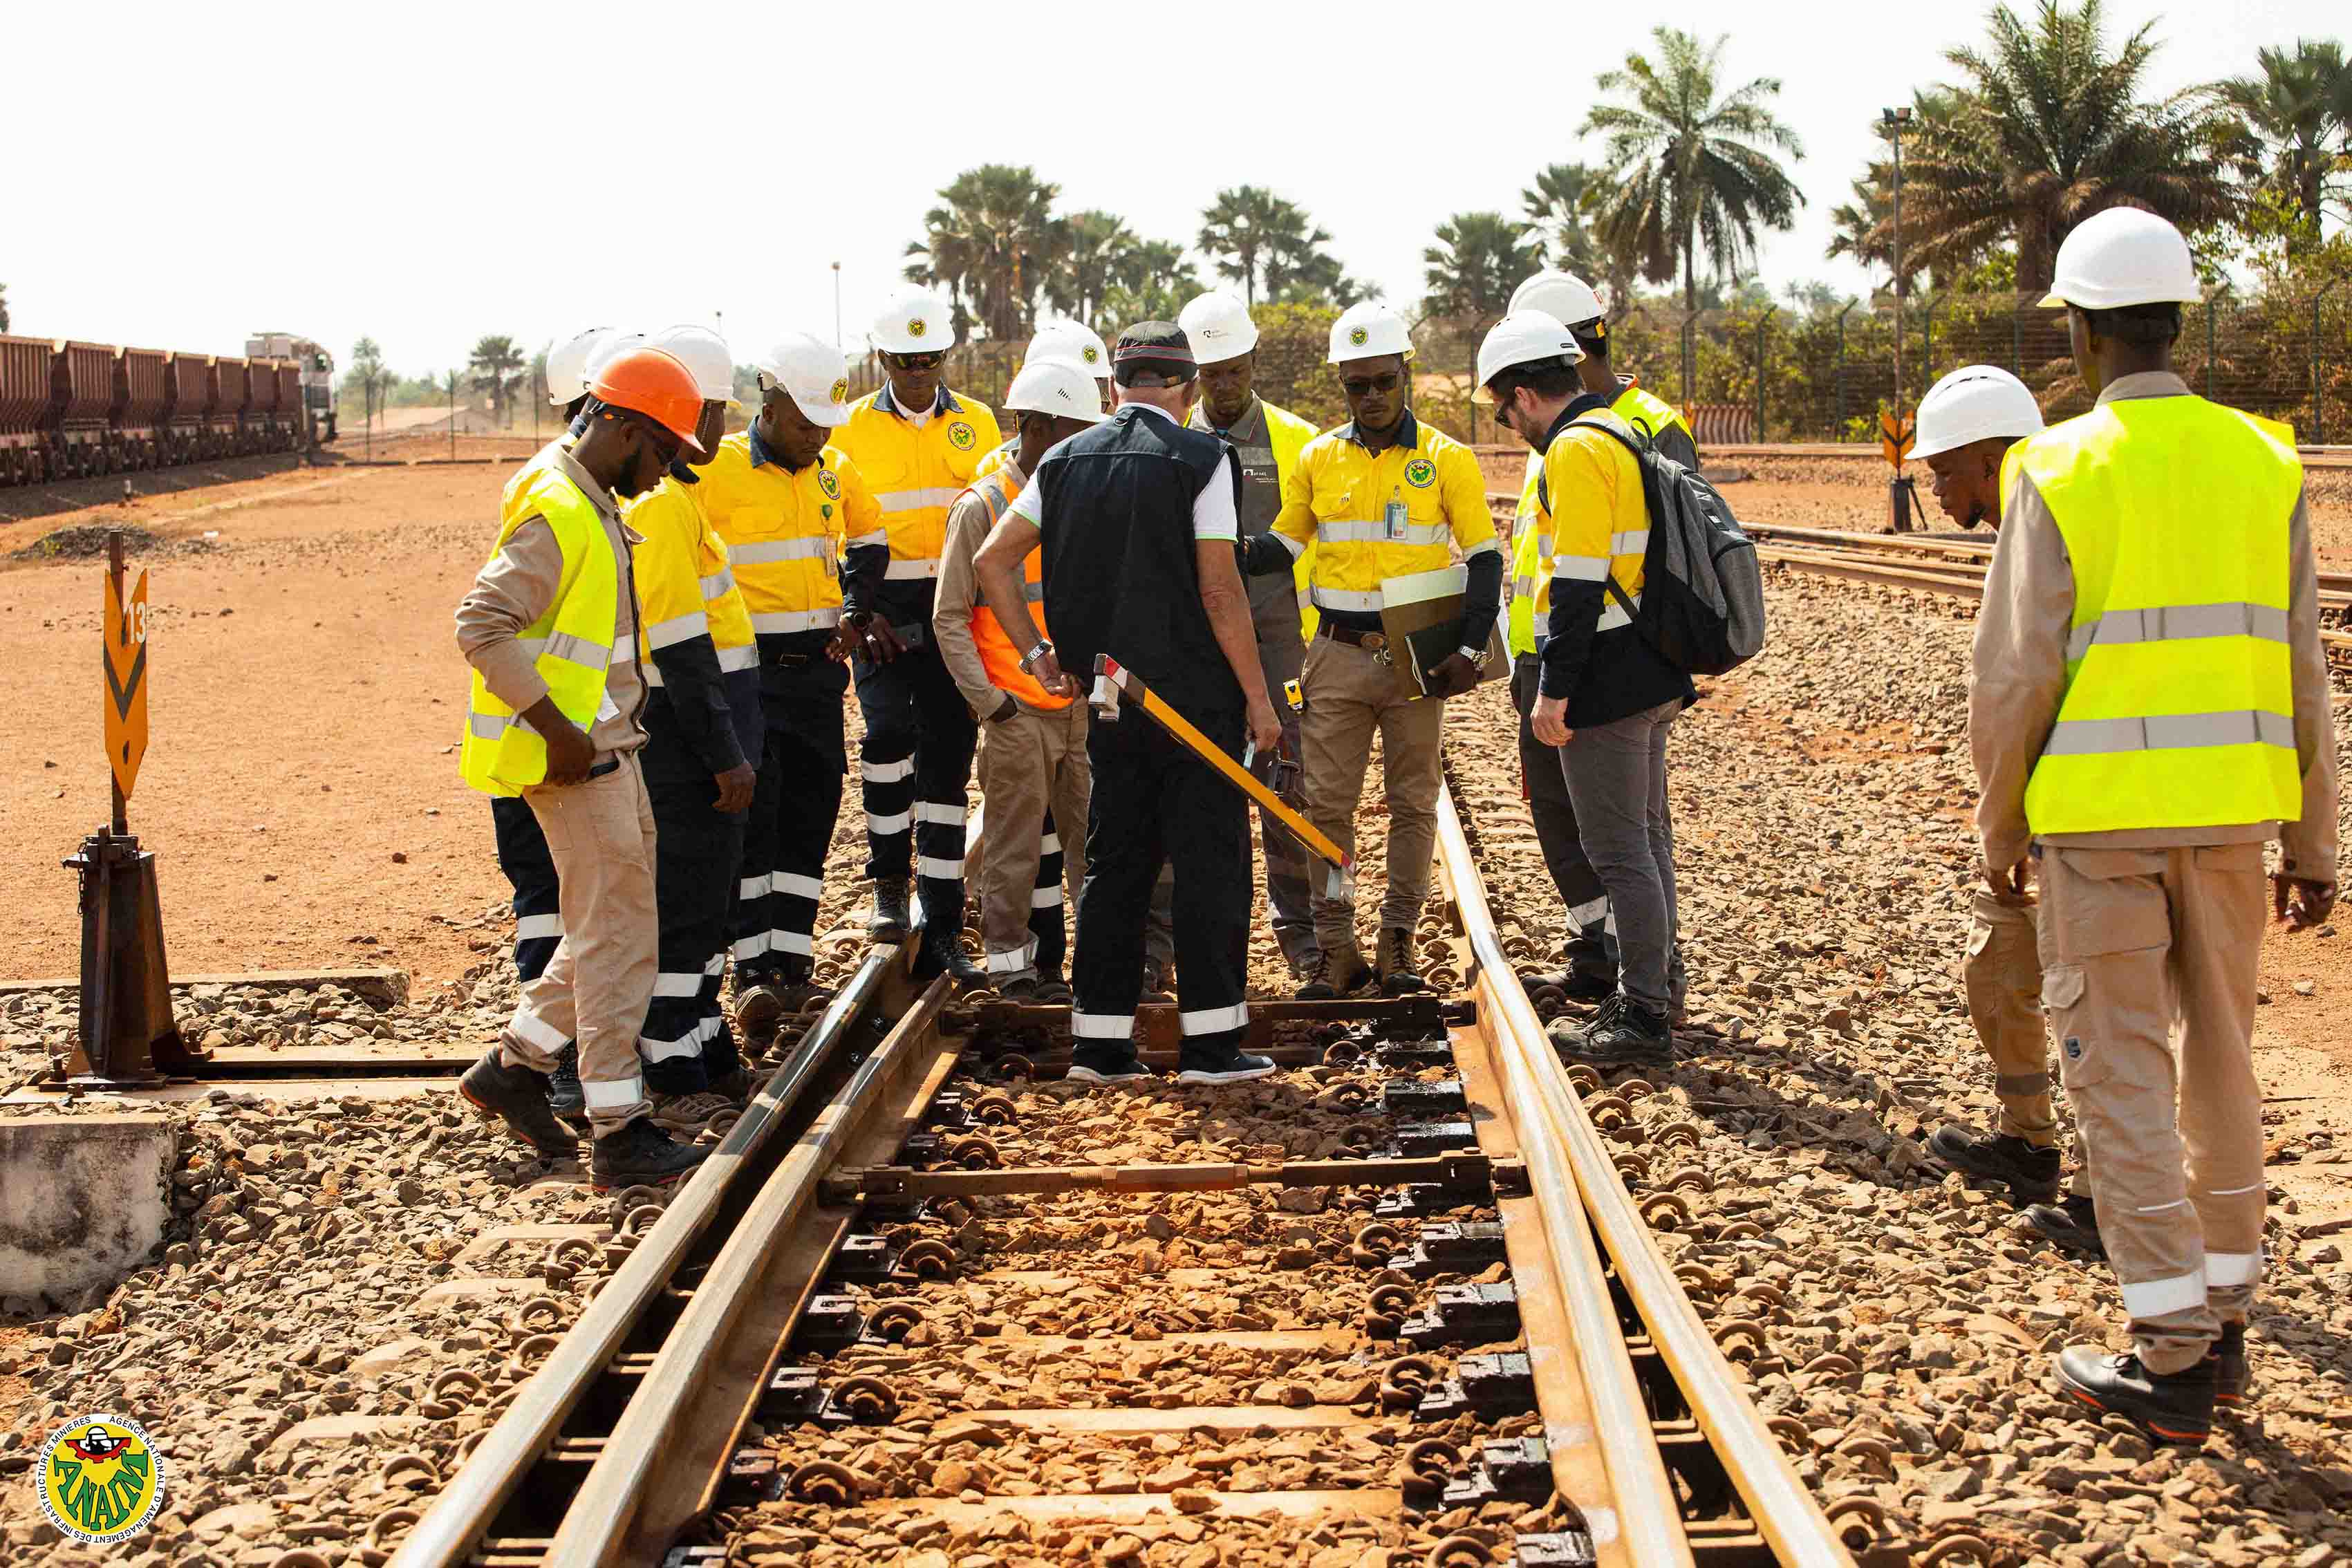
(1401, 1298)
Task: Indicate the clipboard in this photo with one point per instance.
(1420, 614)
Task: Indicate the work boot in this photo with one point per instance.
(889, 921)
(2029, 1170)
(1108, 1061)
(1021, 991)
(1238, 1066)
(1393, 963)
(517, 1096)
(687, 1114)
(942, 953)
(564, 1095)
(640, 1154)
(1156, 984)
(1342, 973)
(2178, 1408)
(2228, 1359)
(1622, 1034)
(759, 1008)
(2071, 1223)
(1053, 990)
(1589, 975)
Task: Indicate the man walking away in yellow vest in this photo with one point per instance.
(1589, 974)
(1383, 496)
(555, 715)
(2150, 704)
(1033, 775)
(1269, 439)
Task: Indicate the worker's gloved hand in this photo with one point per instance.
(1454, 676)
(879, 644)
(569, 752)
(735, 786)
(1265, 728)
(2300, 901)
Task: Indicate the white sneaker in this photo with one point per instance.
(1131, 1071)
(1241, 1069)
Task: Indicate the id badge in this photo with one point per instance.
(1395, 516)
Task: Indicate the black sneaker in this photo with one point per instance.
(2073, 1222)
(2029, 1170)
(2170, 1409)
(641, 1154)
(1339, 975)
(889, 921)
(943, 954)
(1239, 1067)
(1053, 990)
(2228, 1359)
(517, 1096)
(1624, 1034)
(564, 1095)
(1576, 984)
(1101, 1066)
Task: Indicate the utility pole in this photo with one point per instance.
(836, 304)
(1899, 498)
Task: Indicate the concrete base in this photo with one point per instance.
(83, 1201)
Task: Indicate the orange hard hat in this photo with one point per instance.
(654, 383)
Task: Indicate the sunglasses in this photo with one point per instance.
(931, 360)
(1365, 387)
(665, 444)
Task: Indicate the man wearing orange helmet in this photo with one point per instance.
(556, 716)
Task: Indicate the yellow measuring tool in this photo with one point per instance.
(1114, 681)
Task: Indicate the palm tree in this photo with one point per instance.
(1236, 228)
(4, 307)
(1151, 282)
(1478, 259)
(497, 365)
(2299, 105)
(1690, 170)
(1098, 245)
(991, 245)
(2049, 129)
(1557, 206)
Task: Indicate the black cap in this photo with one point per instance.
(1158, 347)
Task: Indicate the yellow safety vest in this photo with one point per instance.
(685, 584)
(1338, 496)
(2179, 704)
(915, 472)
(784, 532)
(1531, 549)
(571, 642)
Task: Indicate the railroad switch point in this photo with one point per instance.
(1466, 1314)
(1420, 1140)
(1514, 1469)
(1560, 1549)
(1422, 1101)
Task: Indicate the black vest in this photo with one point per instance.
(1120, 572)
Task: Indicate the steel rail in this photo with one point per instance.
(1793, 1524)
(468, 1508)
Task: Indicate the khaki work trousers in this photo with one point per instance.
(2133, 940)
(596, 988)
(1030, 763)
(2002, 977)
(1350, 695)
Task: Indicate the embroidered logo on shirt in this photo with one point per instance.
(1420, 473)
(827, 483)
(959, 436)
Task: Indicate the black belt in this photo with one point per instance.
(1371, 642)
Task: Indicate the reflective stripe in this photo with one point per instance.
(878, 539)
(1632, 541)
(1343, 599)
(1612, 614)
(777, 621)
(2170, 732)
(812, 547)
(1014, 962)
(625, 656)
(734, 658)
(662, 634)
(1523, 587)
(915, 500)
(939, 816)
(531, 1029)
(538, 928)
(888, 827)
(794, 942)
(939, 869)
(1543, 544)
(2159, 1298)
(718, 965)
(666, 984)
(1584, 915)
(653, 677)
(1580, 568)
(1488, 546)
(888, 772)
(1045, 898)
(2235, 1192)
(1296, 549)
(2179, 623)
(1215, 1020)
(614, 1094)
(490, 726)
(751, 946)
(1102, 1026)
(793, 885)
(1355, 531)
(2227, 1269)
(1034, 592)
(2023, 1083)
(1539, 623)
(687, 1045)
(570, 649)
(720, 582)
(1049, 845)
(902, 571)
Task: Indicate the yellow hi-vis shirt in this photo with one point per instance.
(785, 531)
(1591, 508)
(686, 584)
(1370, 517)
(2180, 703)
(916, 471)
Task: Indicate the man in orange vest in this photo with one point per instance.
(1032, 747)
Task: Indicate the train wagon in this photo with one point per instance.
(142, 392)
(232, 392)
(24, 409)
(191, 401)
(82, 407)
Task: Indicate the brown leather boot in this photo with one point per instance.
(1393, 963)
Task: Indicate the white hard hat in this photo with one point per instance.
(1055, 386)
(1367, 330)
(1563, 295)
(2123, 257)
(1972, 403)
(914, 322)
(1071, 344)
(567, 365)
(813, 371)
(1524, 337)
(609, 344)
(705, 354)
(1219, 326)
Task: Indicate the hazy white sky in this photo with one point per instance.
(426, 173)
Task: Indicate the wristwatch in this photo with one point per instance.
(1034, 654)
(858, 620)
(1477, 657)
